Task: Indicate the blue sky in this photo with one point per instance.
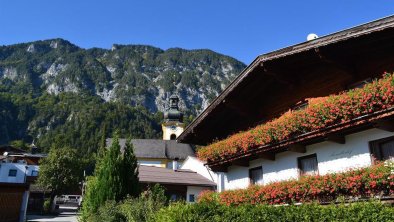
(242, 29)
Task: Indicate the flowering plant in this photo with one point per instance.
(207, 196)
(319, 114)
(377, 180)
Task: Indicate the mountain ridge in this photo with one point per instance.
(127, 64)
(58, 94)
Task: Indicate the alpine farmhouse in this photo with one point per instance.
(306, 109)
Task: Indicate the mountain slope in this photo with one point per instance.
(132, 74)
(58, 94)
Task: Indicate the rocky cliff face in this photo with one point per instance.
(131, 74)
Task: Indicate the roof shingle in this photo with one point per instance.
(151, 174)
(154, 148)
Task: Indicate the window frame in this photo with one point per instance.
(34, 171)
(359, 84)
(250, 175)
(190, 198)
(375, 149)
(12, 170)
(173, 197)
(301, 158)
(300, 105)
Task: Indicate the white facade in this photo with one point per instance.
(17, 173)
(175, 129)
(194, 192)
(331, 157)
(22, 214)
(22, 170)
(196, 165)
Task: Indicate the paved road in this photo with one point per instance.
(67, 214)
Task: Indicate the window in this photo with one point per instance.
(173, 197)
(300, 105)
(308, 165)
(12, 173)
(192, 198)
(34, 173)
(256, 175)
(382, 149)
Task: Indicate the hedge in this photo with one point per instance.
(131, 209)
(376, 180)
(319, 114)
(211, 212)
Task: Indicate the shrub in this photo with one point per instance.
(319, 114)
(377, 180)
(108, 212)
(131, 209)
(47, 206)
(368, 211)
(144, 208)
(115, 178)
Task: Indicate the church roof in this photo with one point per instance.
(155, 148)
(151, 174)
(173, 113)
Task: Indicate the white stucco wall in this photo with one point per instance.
(168, 131)
(20, 175)
(22, 214)
(196, 191)
(331, 157)
(194, 164)
(220, 178)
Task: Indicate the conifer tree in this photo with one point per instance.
(130, 169)
(116, 177)
(92, 200)
(109, 182)
(103, 142)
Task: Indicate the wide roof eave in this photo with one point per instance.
(354, 32)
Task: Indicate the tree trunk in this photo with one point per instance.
(52, 202)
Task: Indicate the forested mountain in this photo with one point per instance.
(54, 92)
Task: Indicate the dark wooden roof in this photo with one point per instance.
(151, 174)
(15, 154)
(154, 148)
(11, 149)
(276, 81)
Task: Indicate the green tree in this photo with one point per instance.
(130, 169)
(91, 201)
(109, 178)
(61, 171)
(19, 144)
(103, 143)
(115, 178)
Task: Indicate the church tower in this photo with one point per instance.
(173, 124)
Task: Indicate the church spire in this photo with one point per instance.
(173, 120)
(173, 114)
